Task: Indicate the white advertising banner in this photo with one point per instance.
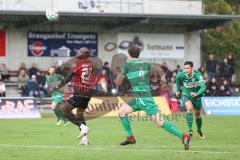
(153, 45)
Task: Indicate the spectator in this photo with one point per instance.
(212, 91)
(226, 71)
(4, 75)
(226, 84)
(22, 78)
(34, 89)
(33, 70)
(211, 67)
(202, 70)
(2, 89)
(166, 91)
(102, 81)
(168, 73)
(231, 61)
(109, 74)
(178, 68)
(212, 88)
(22, 67)
(41, 78)
(236, 92)
(222, 91)
(155, 84)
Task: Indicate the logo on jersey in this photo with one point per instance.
(191, 84)
(37, 48)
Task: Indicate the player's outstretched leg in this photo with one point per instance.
(78, 121)
(66, 110)
(123, 112)
(172, 129)
(198, 120)
(189, 116)
(83, 127)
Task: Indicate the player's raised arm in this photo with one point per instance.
(118, 81)
(66, 79)
(120, 77)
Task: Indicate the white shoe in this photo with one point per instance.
(84, 141)
(59, 123)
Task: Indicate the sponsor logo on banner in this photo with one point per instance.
(152, 45)
(18, 108)
(60, 44)
(108, 106)
(221, 106)
(37, 48)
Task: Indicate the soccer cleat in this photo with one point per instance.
(185, 141)
(84, 141)
(58, 122)
(201, 134)
(129, 140)
(190, 133)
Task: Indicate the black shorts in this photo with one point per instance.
(79, 102)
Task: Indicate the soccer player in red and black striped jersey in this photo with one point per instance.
(81, 79)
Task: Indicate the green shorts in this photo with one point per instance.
(57, 98)
(145, 104)
(197, 104)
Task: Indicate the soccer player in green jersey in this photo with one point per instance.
(52, 80)
(138, 74)
(192, 89)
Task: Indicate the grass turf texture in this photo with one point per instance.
(41, 139)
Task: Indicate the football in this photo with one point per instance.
(52, 14)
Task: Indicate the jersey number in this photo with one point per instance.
(86, 73)
(141, 72)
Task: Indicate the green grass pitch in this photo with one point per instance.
(41, 139)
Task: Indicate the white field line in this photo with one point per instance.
(132, 148)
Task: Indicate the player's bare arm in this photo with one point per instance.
(119, 80)
(66, 80)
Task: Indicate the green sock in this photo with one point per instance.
(171, 128)
(189, 117)
(56, 111)
(126, 125)
(62, 116)
(199, 123)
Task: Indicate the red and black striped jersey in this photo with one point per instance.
(82, 80)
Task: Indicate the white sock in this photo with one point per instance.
(83, 127)
(85, 139)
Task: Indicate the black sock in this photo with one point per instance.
(69, 115)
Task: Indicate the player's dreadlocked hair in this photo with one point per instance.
(134, 51)
(83, 52)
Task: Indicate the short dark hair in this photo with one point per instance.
(190, 63)
(134, 51)
(54, 67)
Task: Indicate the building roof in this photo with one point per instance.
(112, 20)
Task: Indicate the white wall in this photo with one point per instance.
(108, 6)
(17, 45)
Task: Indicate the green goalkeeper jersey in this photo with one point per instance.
(138, 73)
(194, 83)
